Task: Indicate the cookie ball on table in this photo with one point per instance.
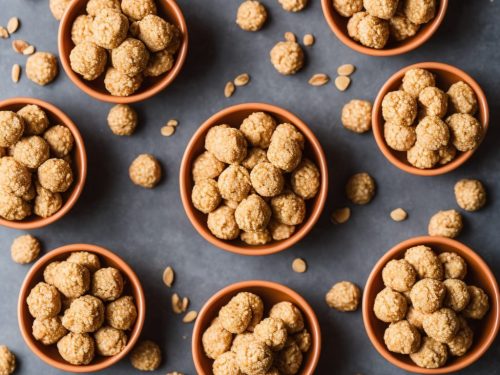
(251, 15)
(293, 5)
(357, 116)
(122, 119)
(287, 57)
(145, 171)
(41, 68)
(360, 188)
(446, 224)
(344, 296)
(470, 194)
(25, 249)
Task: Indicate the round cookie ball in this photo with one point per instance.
(401, 337)
(347, 8)
(284, 153)
(288, 208)
(427, 295)
(109, 341)
(77, 348)
(122, 313)
(206, 166)
(390, 306)
(107, 284)
(31, 151)
(401, 28)
(60, 140)
(138, 9)
(457, 294)
(287, 57)
(71, 279)
(360, 188)
(241, 339)
(206, 196)
(305, 179)
(155, 32)
(421, 158)
(432, 354)
(11, 128)
(445, 224)
(46, 202)
(43, 301)
(470, 194)
(399, 107)
(425, 262)
(95, 6)
(399, 137)
(415, 317)
(289, 314)
(145, 171)
(258, 129)
(255, 156)
(81, 30)
(280, 231)
(257, 307)
(7, 361)
(122, 119)
(85, 259)
(344, 296)
(41, 68)
(289, 360)
(48, 330)
(226, 144)
(419, 11)
(159, 62)
(353, 25)
(58, 7)
(433, 101)
(293, 5)
(109, 28)
(417, 79)
(478, 305)
(462, 341)
(236, 315)
(49, 273)
(254, 357)
(373, 32)
(267, 180)
(384, 9)
(119, 84)
(216, 340)
(34, 118)
(85, 314)
(88, 59)
(251, 15)
(442, 325)
(256, 238)
(234, 183)
(462, 98)
(130, 57)
(466, 131)
(146, 356)
(399, 275)
(432, 133)
(447, 154)
(13, 207)
(271, 332)
(55, 175)
(226, 364)
(222, 224)
(25, 249)
(303, 340)
(454, 265)
(357, 116)
(288, 131)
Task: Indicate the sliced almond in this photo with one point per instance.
(19, 45)
(13, 25)
(16, 73)
(342, 82)
(398, 214)
(308, 40)
(341, 215)
(229, 89)
(4, 34)
(242, 79)
(190, 317)
(167, 131)
(185, 304)
(299, 265)
(346, 70)
(168, 276)
(29, 50)
(290, 36)
(172, 122)
(319, 79)
(176, 304)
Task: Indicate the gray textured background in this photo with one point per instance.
(149, 228)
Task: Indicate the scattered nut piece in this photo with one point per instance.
(185, 303)
(290, 36)
(319, 79)
(172, 122)
(398, 214)
(13, 25)
(342, 83)
(167, 131)
(16, 73)
(168, 276)
(19, 45)
(29, 50)
(299, 265)
(308, 40)
(341, 215)
(176, 304)
(190, 317)
(242, 79)
(4, 34)
(229, 89)
(346, 70)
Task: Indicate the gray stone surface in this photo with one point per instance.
(149, 228)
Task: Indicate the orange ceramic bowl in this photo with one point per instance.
(234, 116)
(49, 354)
(56, 116)
(446, 75)
(151, 86)
(478, 273)
(271, 293)
(338, 24)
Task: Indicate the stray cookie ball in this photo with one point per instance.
(432, 133)
(85, 259)
(15, 178)
(254, 357)
(447, 154)
(145, 171)
(427, 295)
(466, 131)
(222, 224)
(255, 156)
(71, 279)
(155, 32)
(216, 340)
(81, 30)
(251, 15)
(280, 231)
(305, 179)
(399, 275)
(344, 296)
(442, 325)
(107, 284)
(130, 57)
(289, 314)
(419, 11)
(109, 28)
(353, 25)
(58, 7)
(289, 360)
(25, 249)
(206, 196)
(85, 314)
(347, 8)
(457, 294)
(422, 158)
(258, 129)
(293, 5)
(425, 262)
(207, 166)
(433, 101)
(399, 137)
(119, 84)
(399, 107)
(110, 341)
(77, 348)
(384, 9)
(226, 144)
(35, 119)
(11, 128)
(95, 6)
(234, 183)
(267, 180)
(478, 305)
(390, 306)
(122, 119)
(470, 194)
(401, 28)
(138, 9)
(462, 341)
(415, 317)
(373, 32)
(159, 62)
(360, 188)
(446, 224)
(287, 57)
(357, 116)
(41, 68)
(402, 337)
(88, 59)
(46, 203)
(288, 208)
(226, 364)
(55, 175)
(417, 79)
(462, 98)
(48, 330)
(44, 301)
(432, 354)
(13, 207)
(454, 265)
(271, 332)
(31, 151)
(122, 313)
(60, 140)
(256, 238)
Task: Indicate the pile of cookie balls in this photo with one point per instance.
(427, 304)
(241, 342)
(243, 190)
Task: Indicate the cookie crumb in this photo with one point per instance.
(299, 265)
(398, 214)
(341, 215)
(308, 40)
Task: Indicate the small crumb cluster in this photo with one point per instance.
(427, 303)
(241, 341)
(126, 42)
(240, 180)
(80, 307)
(430, 125)
(36, 167)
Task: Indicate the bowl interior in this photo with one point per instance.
(478, 274)
(271, 293)
(446, 75)
(167, 9)
(234, 116)
(50, 354)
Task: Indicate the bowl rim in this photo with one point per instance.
(80, 153)
(185, 173)
(163, 82)
(234, 288)
(375, 273)
(123, 267)
(419, 39)
(377, 124)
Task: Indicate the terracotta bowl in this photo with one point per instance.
(49, 354)
(234, 116)
(271, 293)
(338, 24)
(151, 86)
(478, 273)
(446, 75)
(56, 116)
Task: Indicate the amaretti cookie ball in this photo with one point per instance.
(422, 158)
(427, 295)
(415, 317)
(145, 171)
(60, 140)
(207, 166)
(353, 25)
(35, 119)
(85, 259)
(58, 7)
(446, 224)
(289, 359)
(470, 194)
(347, 8)
(122, 313)
(109, 28)
(206, 196)
(155, 32)
(466, 131)
(432, 133)
(289, 131)
(258, 129)
(25, 249)
(447, 154)
(357, 116)
(267, 180)
(284, 153)
(13, 207)
(159, 62)
(240, 339)
(222, 223)
(251, 15)
(77, 348)
(107, 284)
(88, 59)
(81, 30)
(234, 183)
(289, 314)
(373, 32)
(119, 84)
(55, 175)
(401, 28)
(457, 294)
(236, 315)
(271, 332)
(390, 306)
(360, 188)
(226, 364)
(71, 279)
(433, 101)
(44, 301)
(138, 9)
(425, 262)
(255, 156)
(454, 265)
(462, 98)
(41, 68)
(402, 337)
(15, 178)
(11, 128)
(399, 137)
(122, 119)
(146, 356)
(31, 151)
(7, 361)
(344, 296)
(130, 57)
(478, 305)
(306, 180)
(417, 79)
(399, 107)
(419, 11)
(257, 307)
(226, 144)
(85, 314)
(109, 341)
(287, 57)
(461, 343)
(399, 275)
(288, 208)
(384, 9)
(280, 231)
(49, 273)
(256, 238)
(293, 5)
(254, 357)
(216, 340)
(432, 354)
(48, 330)
(95, 6)
(442, 325)
(46, 202)
(303, 340)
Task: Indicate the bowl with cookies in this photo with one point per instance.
(43, 163)
(252, 317)
(123, 51)
(431, 306)
(253, 179)
(81, 308)
(429, 118)
(384, 27)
